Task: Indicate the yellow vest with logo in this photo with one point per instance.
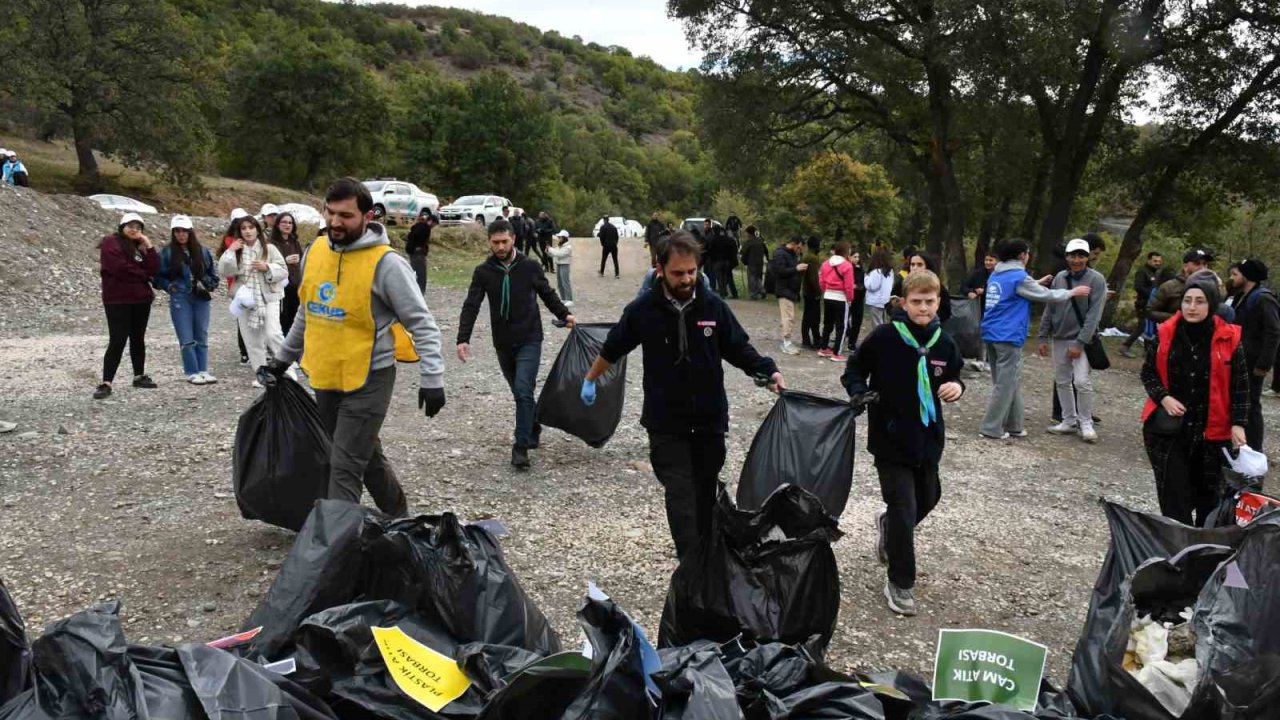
(337, 297)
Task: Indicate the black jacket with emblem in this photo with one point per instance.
(886, 365)
(684, 376)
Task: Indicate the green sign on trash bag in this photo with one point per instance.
(988, 666)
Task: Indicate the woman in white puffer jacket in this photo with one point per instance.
(879, 282)
(258, 268)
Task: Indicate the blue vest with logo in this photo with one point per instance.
(1008, 314)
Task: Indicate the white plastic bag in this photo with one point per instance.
(1249, 462)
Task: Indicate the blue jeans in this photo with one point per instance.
(520, 367)
(191, 324)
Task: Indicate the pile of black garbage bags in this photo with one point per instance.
(743, 632)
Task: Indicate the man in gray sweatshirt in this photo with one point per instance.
(1065, 329)
(361, 313)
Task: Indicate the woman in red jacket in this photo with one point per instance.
(837, 283)
(128, 260)
(1197, 383)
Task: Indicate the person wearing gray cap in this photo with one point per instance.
(1258, 315)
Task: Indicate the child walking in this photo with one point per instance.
(911, 364)
(562, 254)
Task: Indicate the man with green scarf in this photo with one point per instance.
(912, 367)
(512, 282)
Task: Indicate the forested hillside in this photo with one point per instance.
(293, 92)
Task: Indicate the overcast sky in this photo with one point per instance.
(641, 26)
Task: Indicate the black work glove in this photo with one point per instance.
(430, 400)
(271, 373)
(860, 401)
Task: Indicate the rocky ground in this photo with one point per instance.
(131, 497)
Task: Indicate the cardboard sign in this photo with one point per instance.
(1251, 505)
(429, 677)
(988, 666)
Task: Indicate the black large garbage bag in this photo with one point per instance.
(1227, 578)
(781, 682)
(768, 575)
(560, 404)
(695, 684)
(338, 658)
(281, 457)
(15, 654)
(807, 441)
(451, 575)
(908, 697)
(84, 669)
(965, 326)
(613, 688)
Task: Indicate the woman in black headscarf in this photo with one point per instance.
(1197, 384)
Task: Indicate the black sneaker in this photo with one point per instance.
(144, 381)
(535, 440)
(882, 551)
(519, 457)
(901, 600)
(103, 392)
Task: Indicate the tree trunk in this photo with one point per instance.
(938, 215)
(1035, 201)
(942, 165)
(88, 177)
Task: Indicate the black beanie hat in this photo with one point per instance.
(1253, 270)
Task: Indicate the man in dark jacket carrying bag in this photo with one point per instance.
(911, 364)
(1258, 315)
(685, 334)
(513, 283)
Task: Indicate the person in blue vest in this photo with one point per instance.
(1007, 318)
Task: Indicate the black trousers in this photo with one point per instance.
(688, 466)
(910, 494)
(1188, 474)
(811, 321)
(1255, 429)
(833, 319)
(605, 252)
(126, 323)
(288, 309)
(855, 319)
(417, 261)
(354, 419)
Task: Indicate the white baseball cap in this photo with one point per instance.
(131, 217)
(180, 221)
(563, 233)
(239, 213)
(269, 209)
(1079, 245)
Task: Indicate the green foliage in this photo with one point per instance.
(727, 202)
(833, 190)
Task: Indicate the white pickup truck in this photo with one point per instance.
(398, 200)
(480, 209)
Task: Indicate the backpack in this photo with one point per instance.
(770, 283)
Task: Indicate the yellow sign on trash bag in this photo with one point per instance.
(423, 674)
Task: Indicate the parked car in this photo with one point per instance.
(626, 228)
(480, 209)
(399, 200)
(634, 229)
(696, 223)
(304, 214)
(123, 204)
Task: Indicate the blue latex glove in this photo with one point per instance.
(588, 392)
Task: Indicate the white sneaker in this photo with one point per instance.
(196, 379)
(209, 379)
(257, 384)
(1063, 428)
(1269, 393)
(1088, 434)
(568, 303)
(790, 349)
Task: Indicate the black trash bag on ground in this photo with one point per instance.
(15, 654)
(84, 669)
(451, 575)
(281, 456)
(613, 688)
(908, 697)
(806, 441)
(560, 404)
(1233, 486)
(338, 658)
(695, 684)
(1228, 580)
(768, 575)
(780, 682)
(965, 326)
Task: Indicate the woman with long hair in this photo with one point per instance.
(922, 261)
(879, 286)
(284, 236)
(127, 260)
(187, 273)
(227, 238)
(1197, 383)
(260, 270)
(837, 284)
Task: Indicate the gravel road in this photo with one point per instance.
(131, 498)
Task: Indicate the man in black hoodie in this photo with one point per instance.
(754, 255)
(1145, 281)
(513, 283)
(653, 230)
(906, 434)
(1258, 315)
(608, 234)
(686, 335)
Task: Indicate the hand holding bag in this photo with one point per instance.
(1094, 350)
